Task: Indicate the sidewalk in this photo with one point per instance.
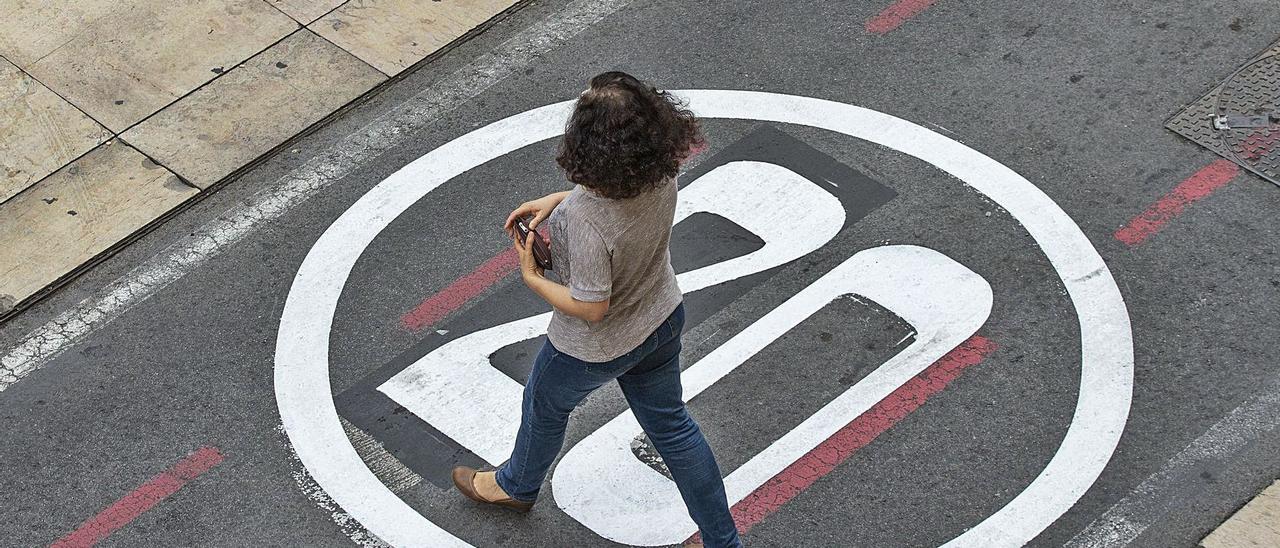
(115, 113)
(1255, 525)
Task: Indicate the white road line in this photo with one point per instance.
(304, 392)
(339, 160)
(348, 525)
(398, 477)
(1154, 497)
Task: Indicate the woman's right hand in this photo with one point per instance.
(540, 209)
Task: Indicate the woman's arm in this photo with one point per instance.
(559, 297)
(555, 294)
(539, 208)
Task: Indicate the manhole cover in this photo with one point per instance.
(1240, 119)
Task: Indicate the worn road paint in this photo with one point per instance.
(1179, 477)
(310, 419)
(1259, 144)
(333, 164)
(896, 14)
(439, 305)
(457, 391)
(1194, 188)
(601, 485)
(858, 433)
(132, 505)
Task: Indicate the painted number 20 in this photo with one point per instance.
(599, 482)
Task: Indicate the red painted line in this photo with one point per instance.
(141, 499)
(896, 14)
(824, 458)
(1196, 187)
(437, 306)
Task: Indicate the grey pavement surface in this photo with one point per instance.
(1072, 96)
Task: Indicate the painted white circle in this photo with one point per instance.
(305, 397)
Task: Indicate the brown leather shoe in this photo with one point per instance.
(464, 478)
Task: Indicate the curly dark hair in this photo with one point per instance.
(626, 136)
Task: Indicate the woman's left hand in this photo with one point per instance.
(528, 266)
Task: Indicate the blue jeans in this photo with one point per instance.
(650, 379)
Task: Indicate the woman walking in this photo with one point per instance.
(619, 313)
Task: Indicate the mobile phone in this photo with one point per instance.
(541, 253)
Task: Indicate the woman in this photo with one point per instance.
(619, 313)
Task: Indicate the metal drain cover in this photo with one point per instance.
(1240, 119)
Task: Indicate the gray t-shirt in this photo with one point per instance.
(618, 250)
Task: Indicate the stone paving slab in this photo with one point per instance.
(392, 35)
(78, 212)
(255, 107)
(306, 11)
(1255, 525)
(120, 64)
(202, 87)
(35, 28)
(39, 131)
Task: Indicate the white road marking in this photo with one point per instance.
(305, 399)
(1151, 500)
(348, 525)
(336, 162)
(601, 485)
(457, 391)
(381, 462)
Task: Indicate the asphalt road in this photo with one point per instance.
(1072, 96)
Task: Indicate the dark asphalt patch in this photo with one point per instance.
(795, 376)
